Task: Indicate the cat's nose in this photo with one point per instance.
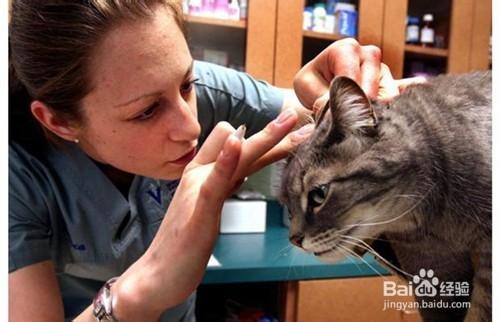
(297, 239)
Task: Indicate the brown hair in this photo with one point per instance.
(51, 43)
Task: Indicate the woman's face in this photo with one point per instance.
(141, 115)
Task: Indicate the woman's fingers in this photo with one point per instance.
(402, 84)
(388, 87)
(282, 149)
(345, 57)
(214, 143)
(320, 103)
(340, 58)
(370, 70)
(260, 143)
(218, 183)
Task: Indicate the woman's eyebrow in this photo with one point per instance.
(186, 75)
(137, 99)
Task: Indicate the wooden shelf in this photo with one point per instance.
(427, 51)
(239, 24)
(322, 35)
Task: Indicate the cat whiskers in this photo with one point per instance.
(360, 243)
(361, 258)
(373, 238)
(349, 258)
(283, 251)
(409, 210)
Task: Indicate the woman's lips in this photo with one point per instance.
(186, 158)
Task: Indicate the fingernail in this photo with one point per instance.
(240, 132)
(285, 115)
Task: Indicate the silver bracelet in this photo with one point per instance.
(103, 303)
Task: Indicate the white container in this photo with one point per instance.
(330, 23)
(185, 7)
(243, 9)
(427, 32)
(308, 20)
(243, 216)
(195, 7)
(221, 9)
(319, 18)
(234, 10)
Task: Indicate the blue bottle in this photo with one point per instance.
(330, 7)
(346, 19)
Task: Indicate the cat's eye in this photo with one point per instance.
(317, 196)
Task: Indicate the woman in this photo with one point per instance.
(118, 113)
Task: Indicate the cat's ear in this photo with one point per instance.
(351, 110)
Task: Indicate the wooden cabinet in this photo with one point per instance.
(249, 43)
(342, 300)
(294, 46)
(272, 45)
(465, 26)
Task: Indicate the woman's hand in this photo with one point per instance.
(174, 264)
(347, 57)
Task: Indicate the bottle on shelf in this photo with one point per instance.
(439, 41)
(195, 7)
(412, 31)
(221, 9)
(234, 10)
(427, 31)
(330, 6)
(207, 8)
(307, 18)
(319, 17)
(185, 7)
(330, 15)
(346, 19)
(243, 9)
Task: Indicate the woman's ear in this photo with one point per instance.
(53, 122)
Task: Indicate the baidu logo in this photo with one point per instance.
(425, 283)
(431, 291)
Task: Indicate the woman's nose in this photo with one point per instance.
(184, 123)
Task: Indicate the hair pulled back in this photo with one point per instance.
(51, 44)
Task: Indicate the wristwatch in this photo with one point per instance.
(103, 308)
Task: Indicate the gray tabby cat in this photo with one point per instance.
(413, 175)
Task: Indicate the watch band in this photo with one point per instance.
(103, 303)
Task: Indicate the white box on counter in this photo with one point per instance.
(243, 216)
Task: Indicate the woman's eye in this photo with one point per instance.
(188, 86)
(149, 112)
(317, 196)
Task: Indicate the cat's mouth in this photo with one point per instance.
(356, 249)
(340, 244)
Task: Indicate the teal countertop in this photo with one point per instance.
(270, 256)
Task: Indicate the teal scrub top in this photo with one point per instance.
(63, 208)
